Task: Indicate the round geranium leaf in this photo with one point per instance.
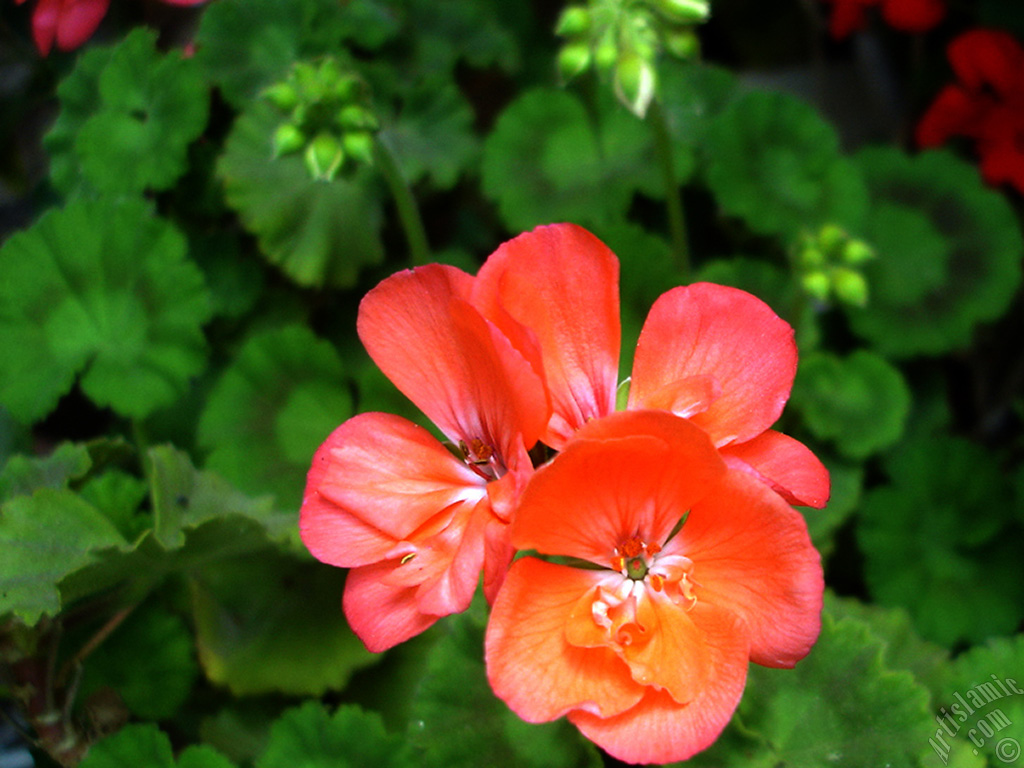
(315, 231)
(775, 163)
(135, 744)
(151, 107)
(245, 45)
(949, 253)
(947, 510)
(149, 661)
(547, 160)
(861, 402)
(102, 289)
(271, 408)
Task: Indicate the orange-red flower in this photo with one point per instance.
(646, 650)
(415, 522)
(986, 105)
(715, 355)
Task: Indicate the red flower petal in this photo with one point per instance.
(988, 57)
(848, 16)
(530, 664)
(955, 112)
(78, 20)
(375, 481)
(913, 15)
(561, 283)
(455, 366)
(753, 557)
(785, 465)
(724, 333)
(651, 467)
(381, 614)
(659, 729)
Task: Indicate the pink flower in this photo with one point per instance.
(715, 355)
(69, 23)
(416, 523)
(646, 650)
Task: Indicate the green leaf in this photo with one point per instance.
(547, 160)
(184, 498)
(841, 705)
(143, 745)
(102, 289)
(948, 253)
(457, 719)
(981, 701)
(152, 106)
(118, 495)
(45, 537)
(861, 402)
(946, 512)
(22, 475)
(271, 410)
(316, 232)
(310, 737)
(137, 744)
(288, 635)
(149, 660)
(432, 135)
(246, 45)
(692, 95)
(775, 163)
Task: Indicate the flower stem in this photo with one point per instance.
(673, 199)
(408, 213)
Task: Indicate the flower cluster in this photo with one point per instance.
(986, 104)
(665, 555)
(848, 16)
(69, 23)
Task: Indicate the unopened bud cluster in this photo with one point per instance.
(625, 37)
(329, 119)
(828, 265)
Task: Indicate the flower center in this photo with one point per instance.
(633, 557)
(480, 457)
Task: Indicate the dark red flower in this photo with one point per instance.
(986, 104)
(907, 15)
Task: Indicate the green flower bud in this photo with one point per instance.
(573, 60)
(324, 157)
(574, 22)
(685, 11)
(811, 257)
(606, 53)
(850, 286)
(359, 146)
(832, 238)
(635, 81)
(857, 252)
(347, 87)
(357, 118)
(307, 81)
(330, 73)
(288, 139)
(816, 284)
(683, 44)
(283, 96)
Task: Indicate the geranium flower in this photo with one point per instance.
(646, 649)
(416, 523)
(715, 355)
(848, 16)
(987, 104)
(69, 23)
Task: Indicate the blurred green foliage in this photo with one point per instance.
(177, 336)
